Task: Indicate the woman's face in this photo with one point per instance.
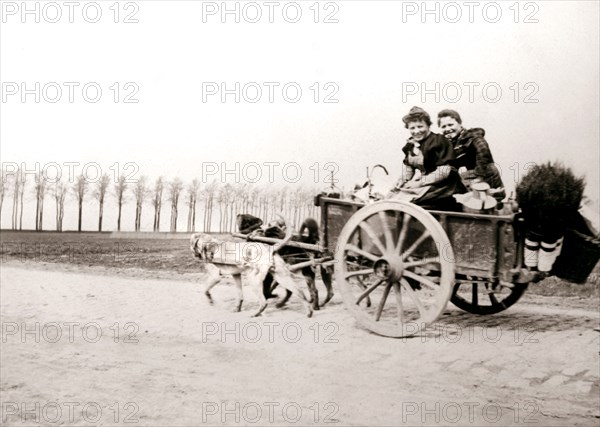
(450, 127)
(418, 130)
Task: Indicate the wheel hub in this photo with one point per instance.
(389, 267)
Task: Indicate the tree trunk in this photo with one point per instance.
(80, 215)
(37, 213)
(41, 214)
(100, 215)
(119, 216)
(21, 214)
(194, 217)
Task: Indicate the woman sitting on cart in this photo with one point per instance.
(428, 178)
(473, 157)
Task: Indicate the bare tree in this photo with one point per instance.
(3, 188)
(175, 188)
(192, 191)
(120, 187)
(60, 193)
(208, 194)
(157, 202)
(140, 192)
(21, 193)
(18, 191)
(80, 189)
(100, 194)
(15, 207)
(224, 199)
(40, 194)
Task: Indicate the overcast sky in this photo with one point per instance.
(540, 102)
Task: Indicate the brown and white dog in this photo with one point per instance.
(252, 259)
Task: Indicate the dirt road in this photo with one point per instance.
(92, 347)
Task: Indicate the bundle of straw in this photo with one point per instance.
(549, 196)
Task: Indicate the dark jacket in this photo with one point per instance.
(472, 151)
(437, 151)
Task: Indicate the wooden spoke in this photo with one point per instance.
(405, 220)
(399, 307)
(368, 291)
(421, 279)
(389, 241)
(413, 295)
(359, 272)
(362, 252)
(423, 261)
(386, 292)
(371, 233)
(416, 244)
(474, 295)
(493, 299)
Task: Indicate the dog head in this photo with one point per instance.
(309, 231)
(203, 247)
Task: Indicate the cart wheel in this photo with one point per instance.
(393, 247)
(478, 295)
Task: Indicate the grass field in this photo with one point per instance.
(156, 253)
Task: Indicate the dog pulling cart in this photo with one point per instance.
(397, 265)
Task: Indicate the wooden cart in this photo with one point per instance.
(397, 265)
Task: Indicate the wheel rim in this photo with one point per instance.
(396, 255)
(479, 295)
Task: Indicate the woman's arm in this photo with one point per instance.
(408, 172)
(437, 154)
(439, 174)
(483, 157)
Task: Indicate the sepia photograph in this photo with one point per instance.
(297, 213)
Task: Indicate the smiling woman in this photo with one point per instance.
(430, 154)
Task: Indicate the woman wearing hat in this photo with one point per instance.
(431, 155)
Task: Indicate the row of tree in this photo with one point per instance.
(227, 199)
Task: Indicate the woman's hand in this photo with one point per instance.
(413, 183)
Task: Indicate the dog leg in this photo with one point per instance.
(284, 300)
(309, 276)
(257, 281)
(214, 279)
(238, 283)
(262, 305)
(326, 277)
(268, 286)
(286, 281)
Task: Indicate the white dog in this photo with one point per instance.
(253, 259)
